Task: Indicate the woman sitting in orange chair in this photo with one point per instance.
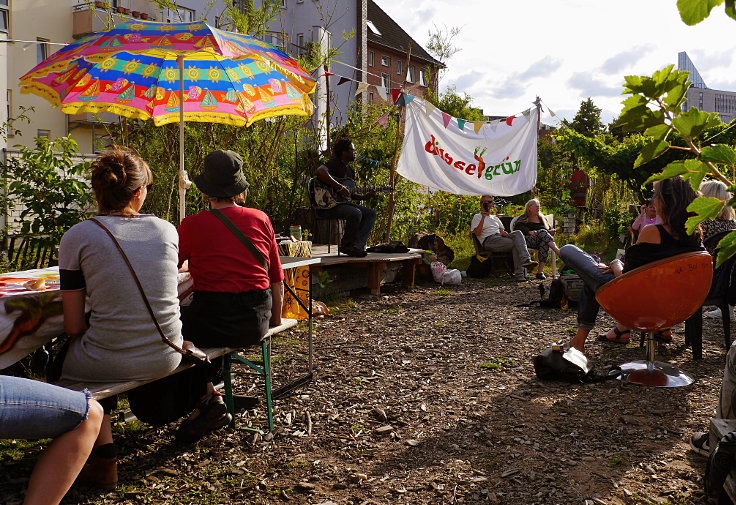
(671, 198)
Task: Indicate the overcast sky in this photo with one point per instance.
(566, 50)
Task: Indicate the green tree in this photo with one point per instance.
(456, 105)
(49, 186)
(588, 119)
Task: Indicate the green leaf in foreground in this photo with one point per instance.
(704, 208)
(727, 248)
(651, 151)
(693, 12)
(719, 153)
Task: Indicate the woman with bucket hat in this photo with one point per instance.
(233, 259)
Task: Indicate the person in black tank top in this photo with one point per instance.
(671, 196)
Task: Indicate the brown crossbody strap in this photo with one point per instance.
(140, 289)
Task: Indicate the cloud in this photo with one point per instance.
(591, 86)
(705, 61)
(541, 68)
(616, 64)
(467, 81)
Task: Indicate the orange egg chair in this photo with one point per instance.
(655, 297)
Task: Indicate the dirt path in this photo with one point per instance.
(429, 397)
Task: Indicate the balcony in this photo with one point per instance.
(91, 18)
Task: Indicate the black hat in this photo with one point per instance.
(223, 175)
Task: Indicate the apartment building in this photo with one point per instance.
(704, 98)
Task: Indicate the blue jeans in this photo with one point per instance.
(593, 278)
(358, 222)
(32, 409)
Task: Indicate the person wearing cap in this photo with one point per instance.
(359, 220)
(235, 295)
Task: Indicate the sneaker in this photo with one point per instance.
(716, 314)
(354, 251)
(700, 443)
(529, 264)
(100, 473)
(540, 276)
(212, 416)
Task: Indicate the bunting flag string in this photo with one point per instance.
(446, 118)
(383, 120)
(461, 124)
(381, 92)
(343, 80)
(362, 86)
(477, 125)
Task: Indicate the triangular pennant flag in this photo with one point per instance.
(477, 125)
(383, 120)
(551, 112)
(494, 125)
(381, 92)
(428, 108)
(395, 94)
(343, 80)
(401, 101)
(362, 86)
(408, 97)
(526, 113)
(461, 124)
(446, 118)
(325, 74)
(509, 120)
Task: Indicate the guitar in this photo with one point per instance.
(326, 197)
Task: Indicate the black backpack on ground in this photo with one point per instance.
(479, 267)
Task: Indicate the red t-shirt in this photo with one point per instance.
(218, 260)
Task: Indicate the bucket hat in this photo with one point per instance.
(223, 175)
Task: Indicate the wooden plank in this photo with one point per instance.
(374, 277)
(101, 390)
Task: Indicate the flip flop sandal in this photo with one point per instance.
(663, 336)
(618, 339)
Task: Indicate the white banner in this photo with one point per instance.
(466, 158)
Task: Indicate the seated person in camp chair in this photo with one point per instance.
(671, 198)
(537, 233)
(493, 237)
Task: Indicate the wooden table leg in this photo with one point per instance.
(409, 271)
(374, 277)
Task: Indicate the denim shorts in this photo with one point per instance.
(32, 409)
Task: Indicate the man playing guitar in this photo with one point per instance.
(359, 220)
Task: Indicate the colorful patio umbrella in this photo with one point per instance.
(143, 70)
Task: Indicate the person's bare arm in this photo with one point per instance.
(277, 296)
(478, 230)
(323, 174)
(72, 303)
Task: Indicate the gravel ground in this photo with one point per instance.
(428, 396)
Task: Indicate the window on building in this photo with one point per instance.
(276, 39)
(43, 134)
(283, 4)
(4, 16)
(385, 81)
(370, 97)
(42, 50)
(300, 49)
(371, 56)
(385, 61)
(102, 143)
(372, 27)
(423, 77)
(400, 67)
(411, 75)
(178, 15)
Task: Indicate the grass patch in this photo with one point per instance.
(16, 450)
(442, 292)
(497, 363)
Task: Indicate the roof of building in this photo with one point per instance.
(393, 36)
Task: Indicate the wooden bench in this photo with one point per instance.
(719, 428)
(101, 390)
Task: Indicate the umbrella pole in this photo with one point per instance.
(184, 182)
